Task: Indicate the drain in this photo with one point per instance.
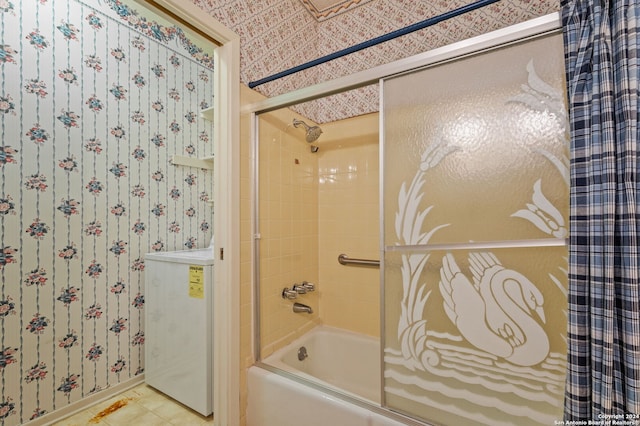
(302, 353)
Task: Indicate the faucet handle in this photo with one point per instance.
(309, 286)
(300, 288)
(289, 293)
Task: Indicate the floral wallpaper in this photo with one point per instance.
(95, 99)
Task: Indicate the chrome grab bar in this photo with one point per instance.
(345, 260)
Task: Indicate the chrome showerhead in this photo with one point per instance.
(313, 132)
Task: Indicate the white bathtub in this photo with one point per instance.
(338, 360)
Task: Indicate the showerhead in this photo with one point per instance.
(313, 132)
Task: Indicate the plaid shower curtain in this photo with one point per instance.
(602, 54)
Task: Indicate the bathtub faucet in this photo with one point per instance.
(304, 287)
(299, 307)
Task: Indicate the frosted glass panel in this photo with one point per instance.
(475, 160)
(483, 142)
(479, 337)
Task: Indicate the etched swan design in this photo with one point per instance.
(495, 312)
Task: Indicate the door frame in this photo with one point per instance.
(226, 204)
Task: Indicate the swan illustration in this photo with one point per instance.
(495, 312)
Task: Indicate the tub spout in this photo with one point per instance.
(299, 307)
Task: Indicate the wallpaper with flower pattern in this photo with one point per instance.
(280, 34)
(94, 101)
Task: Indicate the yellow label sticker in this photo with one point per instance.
(196, 281)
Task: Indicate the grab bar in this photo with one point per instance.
(345, 260)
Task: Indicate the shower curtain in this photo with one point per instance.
(602, 58)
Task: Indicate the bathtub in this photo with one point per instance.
(337, 384)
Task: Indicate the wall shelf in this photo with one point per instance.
(207, 114)
(200, 163)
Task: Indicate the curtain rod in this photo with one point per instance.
(374, 41)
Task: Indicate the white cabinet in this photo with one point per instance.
(178, 326)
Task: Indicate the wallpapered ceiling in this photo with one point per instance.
(325, 9)
(279, 34)
(94, 100)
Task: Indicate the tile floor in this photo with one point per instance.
(139, 406)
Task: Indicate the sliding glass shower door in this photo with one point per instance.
(475, 190)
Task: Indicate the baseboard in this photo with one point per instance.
(84, 403)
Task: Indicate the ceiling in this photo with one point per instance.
(279, 34)
(325, 9)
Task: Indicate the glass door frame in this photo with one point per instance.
(404, 99)
(534, 28)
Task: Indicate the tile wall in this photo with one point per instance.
(349, 222)
(314, 206)
(288, 187)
